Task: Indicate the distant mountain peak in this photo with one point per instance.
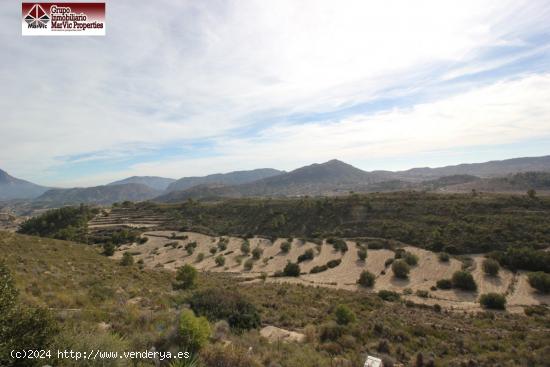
(15, 188)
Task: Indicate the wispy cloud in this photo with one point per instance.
(269, 84)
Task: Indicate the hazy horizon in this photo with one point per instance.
(215, 87)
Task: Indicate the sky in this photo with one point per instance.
(186, 88)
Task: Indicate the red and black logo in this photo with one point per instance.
(37, 17)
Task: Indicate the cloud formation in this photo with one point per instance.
(181, 88)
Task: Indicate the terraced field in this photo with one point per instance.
(168, 250)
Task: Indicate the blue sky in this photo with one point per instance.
(182, 88)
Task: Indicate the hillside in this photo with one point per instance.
(520, 182)
(98, 195)
(154, 182)
(101, 304)
(15, 188)
(326, 178)
(231, 178)
(484, 170)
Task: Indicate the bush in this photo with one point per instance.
(257, 253)
(285, 247)
(422, 293)
(362, 254)
(190, 247)
(410, 259)
(222, 244)
(245, 247)
(444, 257)
(127, 259)
(540, 281)
(344, 315)
(193, 331)
(390, 296)
(186, 277)
(444, 284)
(213, 250)
(108, 249)
(227, 356)
(493, 301)
(307, 255)
(388, 262)
(464, 280)
(224, 304)
(331, 331)
(318, 269)
(21, 328)
(220, 260)
(490, 267)
(200, 257)
(338, 244)
(400, 269)
(333, 263)
(366, 279)
(248, 264)
(292, 270)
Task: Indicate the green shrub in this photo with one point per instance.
(231, 356)
(127, 259)
(200, 257)
(292, 270)
(390, 296)
(540, 281)
(333, 263)
(422, 293)
(285, 247)
(224, 304)
(444, 257)
(307, 255)
(245, 247)
(388, 262)
(338, 244)
(366, 279)
(257, 253)
(400, 269)
(331, 331)
(190, 247)
(362, 254)
(213, 250)
(318, 269)
(220, 260)
(444, 284)
(193, 331)
(186, 277)
(344, 315)
(464, 280)
(490, 267)
(410, 259)
(493, 301)
(108, 249)
(222, 244)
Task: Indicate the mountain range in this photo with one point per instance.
(330, 178)
(15, 188)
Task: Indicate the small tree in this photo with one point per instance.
(366, 279)
(344, 315)
(400, 269)
(464, 280)
(127, 259)
(108, 249)
(292, 270)
(257, 253)
(491, 267)
(307, 255)
(493, 301)
(410, 258)
(362, 254)
(285, 247)
(186, 277)
(245, 247)
(443, 257)
(220, 260)
(193, 331)
(444, 284)
(540, 281)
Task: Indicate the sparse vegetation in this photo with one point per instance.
(400, 269)
(127, 259)
(540, 281)
(491, 267)
(366, 279)
(464, 280)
